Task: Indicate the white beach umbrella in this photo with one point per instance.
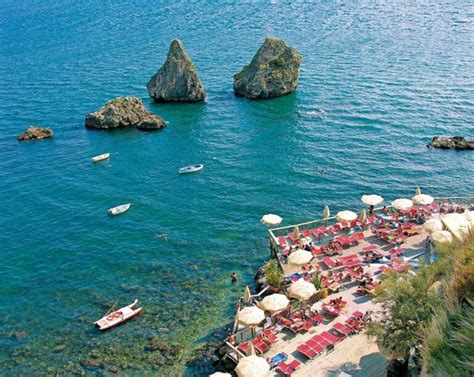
(302, 290)
(346, 216)
(300, 257)
(274, 302)
(252, 366)
(371, 200)
(220, 374)
(423, 199)
(250, 316)
(271, 219)
(402, 204)
(433, 225)
(326, 212)
(442, 236)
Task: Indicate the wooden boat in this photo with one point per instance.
(100, 157)
(119, 209)
(191, 169)
(117, 317)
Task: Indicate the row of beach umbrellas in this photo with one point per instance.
(401, 204)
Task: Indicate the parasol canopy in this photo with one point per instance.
(250, 316)
(302, 290)
(252, 366)
(274, 303)
(442, 236)
(423, 199)
(271, 219)
(433, 225)
(371, 200)
(418, 191)
(402, 204)
(247, 294)
(363, 216)
(300, 257)
(346, 216)
(220, 374)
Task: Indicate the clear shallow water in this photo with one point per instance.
(377, 81)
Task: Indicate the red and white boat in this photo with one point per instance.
(117, 317)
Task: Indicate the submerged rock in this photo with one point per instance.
(455, 142)
(59, 348)
(124, 112)
(36, 133)
(273, 71)
(177, 79)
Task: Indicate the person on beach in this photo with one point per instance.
(233, 277)
(371, 211)
(428, 243)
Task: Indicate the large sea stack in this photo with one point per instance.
(455, 142)
(177, 79)
(36, 133)
(124, 112)
(273, 71)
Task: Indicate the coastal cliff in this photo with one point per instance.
(177, 79)
(273, 71)
(124, 112)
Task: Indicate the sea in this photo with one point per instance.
(378, 79)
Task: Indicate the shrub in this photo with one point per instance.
(273, 274)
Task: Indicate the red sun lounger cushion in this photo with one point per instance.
(329, 262)
(331, 338)
(340, 328)
(282, 241)
(314, 345)
(307, 351)
(320, 340)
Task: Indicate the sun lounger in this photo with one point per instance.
(352, 262)
(340, 328)
(287, 324)
(329, 262)
(370, 248)
(287, 369)
(324, 230)
(317, 250)
(317, 318)
(321, 341)
(244, 347)
(396, 251)
(348, 257)
(306, 233)
(330, 338)
(307, 325)
(359, 236)
(293, 238)
(306, 350)
(260, 345)
(344, 241)
(336, 228)
(357, 314)
(316, 232)
(269, 336)
(282, 241)
(331, 310)
(315, 346)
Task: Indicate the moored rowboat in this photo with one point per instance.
(117, 317)
(119, 209)
(191, 169)
(100, 157)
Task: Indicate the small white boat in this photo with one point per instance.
(191, 169)
(117, 317)
(119, 209)
(100, 157)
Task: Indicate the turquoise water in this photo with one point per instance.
(377, 81)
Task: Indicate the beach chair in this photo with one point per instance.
(317, 319)
(347, 257)
(282, 241)
(324, 230)
(330, 338)
(352, 262)
(329, 262)
(336, 228)
(322, 342)
(307, 325)
(269, 336)
(342, 329)
(289, 325)
(288, 369)
(306, 233)
(396, 251)
(260, 345)
(292, 237)
(306, 350)
(315, 346)
(316, 233)
(316, 250)
(244, 347)
(359, 236)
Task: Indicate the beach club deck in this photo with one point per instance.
(313, 335)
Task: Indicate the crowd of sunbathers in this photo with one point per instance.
(367, 286)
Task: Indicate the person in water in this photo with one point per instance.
(233, 277)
